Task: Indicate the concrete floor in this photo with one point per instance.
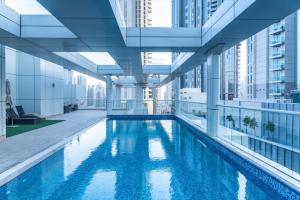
(17, 149)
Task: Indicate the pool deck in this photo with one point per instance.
(17, 149)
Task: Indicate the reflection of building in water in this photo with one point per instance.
(90, 95)
(100, 95)
(75, 88)
(95, 95)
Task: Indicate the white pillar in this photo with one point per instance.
(2, 94)
(177, 95)
(139, 99)
(109, 94)
(213, 91)
(154, 95)
(118, 92)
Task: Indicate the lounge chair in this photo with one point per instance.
(73, 107)
(22, 114)
(67, 109)
(13, 118)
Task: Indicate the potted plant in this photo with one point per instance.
(246, 121)
(253, 124)
(230, 120)
(270, 127)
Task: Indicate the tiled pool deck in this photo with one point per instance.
(17, 149)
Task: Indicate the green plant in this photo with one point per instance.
(246, 121)
(253, 124)
(270, 127)
(229, 119)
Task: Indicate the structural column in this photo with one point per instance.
(176, 88)
(2, 94)
(118, 92)
(154, 95)
(117, 96)
(109, 94)
(139, 99)
(213, 92)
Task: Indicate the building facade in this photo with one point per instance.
(230, 65)
(36, 84)
(272, 61)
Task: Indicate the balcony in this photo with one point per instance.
(278, 54)
(276, 30)
(276, 93)
(277, 42)
(276, 67)
(276, 79)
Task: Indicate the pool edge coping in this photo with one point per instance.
(16, 170)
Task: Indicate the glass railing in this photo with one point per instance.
(275, 67)
(194, 111)
(145, 107)
(276, 91)
(271, 135)
(277, 78)
(277, 54)
(88, 103)
(277, 29)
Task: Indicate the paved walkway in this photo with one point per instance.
(17, 149)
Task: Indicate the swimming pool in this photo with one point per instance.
(134, 159)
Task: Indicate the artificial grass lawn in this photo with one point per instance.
(12, 131)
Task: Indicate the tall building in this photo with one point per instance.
(212, 6)
(230, 65)
(143, 11)
(187, 13)
(143, 19)
(136, 12)
(272, 60)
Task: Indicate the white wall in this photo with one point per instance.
(50, 78)
(11, 72)
(36, 84)
(2, 93)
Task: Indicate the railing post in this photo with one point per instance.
(108, 95)
(213, 91)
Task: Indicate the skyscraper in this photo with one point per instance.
(272, 60)
(230, 63)
(187, 13)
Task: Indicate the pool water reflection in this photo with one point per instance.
(146, 159)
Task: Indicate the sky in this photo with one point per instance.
(23, 7)
(99, 58)
(161, 13)
(162, 17)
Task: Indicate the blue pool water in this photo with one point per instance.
(147, 159)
